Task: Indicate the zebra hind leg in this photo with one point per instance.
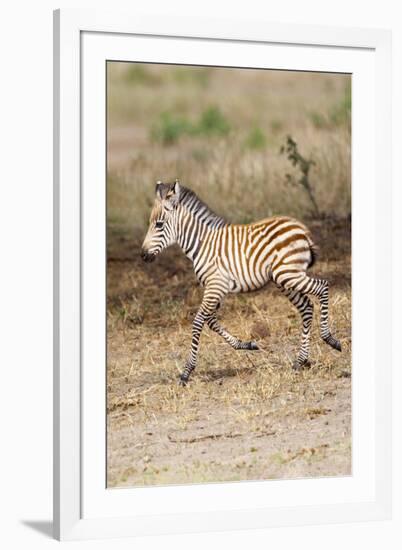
(324, 327)
(305, 308)
(320, 288)
(236, 343)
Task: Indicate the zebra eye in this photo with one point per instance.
(159, 225)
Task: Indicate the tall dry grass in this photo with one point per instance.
(220, 131)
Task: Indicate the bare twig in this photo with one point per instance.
(297, 159)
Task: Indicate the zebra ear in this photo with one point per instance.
(174, 191)
(158, 189)
(176, 187)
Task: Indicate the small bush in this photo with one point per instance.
(338, 115)
(256, 139)
(212, 122)
(138, 74)
(192, 75)
(290, 149)
(169, 128)
(341, 113)
(318, 120)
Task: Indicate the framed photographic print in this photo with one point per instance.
(222, 227)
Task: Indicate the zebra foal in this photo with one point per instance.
(229, 258)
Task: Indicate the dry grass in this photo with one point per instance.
(242, 182)
(245, 415)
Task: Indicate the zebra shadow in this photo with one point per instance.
(213, 375)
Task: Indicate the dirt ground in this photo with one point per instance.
(245, 415)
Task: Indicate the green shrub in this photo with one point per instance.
(338, 115)
(192, 75)
(290, 149)
(212, 122)
(138, 74)
(170, 128)
(318, 120)
(256, 139)
(341, 113)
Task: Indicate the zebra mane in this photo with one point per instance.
(191, 202)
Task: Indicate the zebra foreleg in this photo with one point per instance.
(236, 343)
(210, 302)
(198, 324)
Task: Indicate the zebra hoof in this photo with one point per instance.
(297, 366)
(183, 380)
(252, 346)
(334, 343)
(337, 345)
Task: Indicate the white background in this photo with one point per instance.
(98, 503)
(26, 271)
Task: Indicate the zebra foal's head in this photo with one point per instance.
(162, 229)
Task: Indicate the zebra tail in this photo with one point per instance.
(314, 250)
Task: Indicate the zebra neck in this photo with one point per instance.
(194, 221)
(190, 236)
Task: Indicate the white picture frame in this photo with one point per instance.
(83, 507)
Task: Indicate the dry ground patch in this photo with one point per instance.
(244, 415)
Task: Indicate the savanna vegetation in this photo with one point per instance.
(251, 144)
